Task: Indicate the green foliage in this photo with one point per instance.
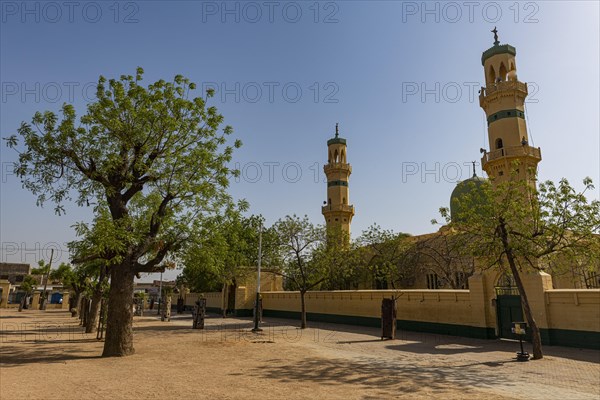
(298, 240)
(341, 259)
(151, 159)
(447, 254)
(384, 255)
(550, 223)
(519, 228)
(226, 250)
(42, 269)
(63, 274)
(29, 284)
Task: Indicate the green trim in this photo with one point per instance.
(551, 337)
(447, 329)
(337, 183)
(492, 51)
(336, 140)
(332, 318)
(514, 113)
(571, 338)
(241, 312)
(417, 326)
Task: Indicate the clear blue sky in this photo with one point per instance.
(362, 56)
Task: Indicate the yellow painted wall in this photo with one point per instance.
(565, 309)
(577, 309)
(441, 306)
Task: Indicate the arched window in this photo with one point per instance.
(329, 201)
(344, 201)
(336, 157)
(343, 158)
(502, 72)
(492, 75)
(499, 144)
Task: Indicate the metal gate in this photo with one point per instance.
(508, 310)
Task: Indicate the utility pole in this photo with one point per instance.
(257, 303)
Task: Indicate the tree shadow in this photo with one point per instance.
(432, 343)
(382, 377)
(45, 350)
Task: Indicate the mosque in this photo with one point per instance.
(503, 101)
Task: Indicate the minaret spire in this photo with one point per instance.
(495, 32)
(337, 130)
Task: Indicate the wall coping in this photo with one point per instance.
(381, 291)
(573, 291)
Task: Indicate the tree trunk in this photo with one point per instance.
(85, 311)
(536, 339)
(225, 299)
(92, 319)
(76, 304)
(119, 321)
(141, 305)
(303, 310)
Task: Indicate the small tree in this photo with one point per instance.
(28, 286)
(443, 253)
(340, 257)
(226, 252)
(298, 239)
(384, 254)
(513, 223)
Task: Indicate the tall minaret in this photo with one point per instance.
(337, 211)
(503, 100)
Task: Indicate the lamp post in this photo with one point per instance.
(257, 302)
(160, 294)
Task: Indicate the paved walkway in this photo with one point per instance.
(227, 360)
(489, 365)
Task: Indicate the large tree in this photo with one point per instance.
(516, 226)
(155, 156)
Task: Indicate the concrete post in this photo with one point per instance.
(65, 301)
(482, 316)
(35, 303)
(536, 284)
(5, 286)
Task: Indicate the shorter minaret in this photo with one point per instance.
(337, 210)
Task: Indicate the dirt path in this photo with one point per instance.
(45, 355)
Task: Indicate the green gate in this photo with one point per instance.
(508, 310)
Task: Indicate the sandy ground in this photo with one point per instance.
(45, 355)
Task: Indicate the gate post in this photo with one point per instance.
(388, 318)
(536, 284)
(481, 306)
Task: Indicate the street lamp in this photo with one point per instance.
(160, 294)
(256, 304)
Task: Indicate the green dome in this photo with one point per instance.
(468, 190)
